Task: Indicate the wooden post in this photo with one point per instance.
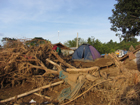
(77, 40)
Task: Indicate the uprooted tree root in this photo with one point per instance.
(21, 63)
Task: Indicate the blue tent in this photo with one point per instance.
(86, 52)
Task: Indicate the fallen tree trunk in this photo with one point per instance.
(55, 64)
(83, 69)
(32, 91)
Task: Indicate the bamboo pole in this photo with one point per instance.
(32, 91)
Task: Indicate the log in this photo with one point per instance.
(55, 64)
(32, 91)
(83, 69)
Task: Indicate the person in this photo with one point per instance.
(57, 49)
(54, 47)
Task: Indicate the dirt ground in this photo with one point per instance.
(91, 98)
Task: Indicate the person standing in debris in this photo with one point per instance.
(57, 49)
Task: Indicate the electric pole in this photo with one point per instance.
(77, 40)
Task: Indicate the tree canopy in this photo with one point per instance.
(36, 41)
(72, 43)
(126, 19)
(8, 42)
(104, 47)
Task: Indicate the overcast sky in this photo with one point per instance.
(44, 18)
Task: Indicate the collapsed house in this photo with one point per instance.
(64, 49)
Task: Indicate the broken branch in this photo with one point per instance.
(32, 91)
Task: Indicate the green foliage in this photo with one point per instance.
(126, 19)
(72, 43)
(8, 42)
(8, 39)
(36, 41)
(105, 47)
(91, 40)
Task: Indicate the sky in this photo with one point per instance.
(57, 20)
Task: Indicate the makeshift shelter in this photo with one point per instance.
(86, 52)
(64, 49)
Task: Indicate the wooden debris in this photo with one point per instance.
(84, 92)
(95, 68)
(61, 60)
(19, 63)
(42, 96)
(32, 91)
(55, 64)
(131, 55)
(34, 64)
(117, 63)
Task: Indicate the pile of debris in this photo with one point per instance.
(56, 81)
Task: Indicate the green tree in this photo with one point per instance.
(91, 40)
(72, 43)
(8, 42)
(36, 41)
(126, 19)
(103, 48)
(132, 39)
